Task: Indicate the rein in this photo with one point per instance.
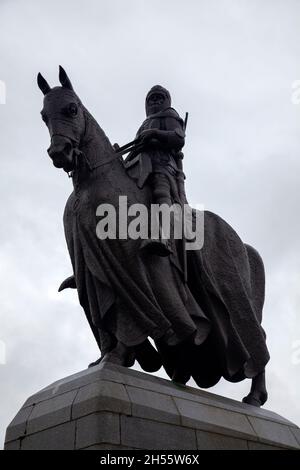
(78, 153)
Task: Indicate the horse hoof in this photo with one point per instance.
(120, 357)
(92, 364)
(256, 400)
(180, 378)
(112, 358)
(178, 384)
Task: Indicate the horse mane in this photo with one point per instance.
(96, 145)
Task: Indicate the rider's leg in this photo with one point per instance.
(161, 193)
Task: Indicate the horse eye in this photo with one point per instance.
(73, 109)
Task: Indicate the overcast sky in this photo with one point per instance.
(231, 64)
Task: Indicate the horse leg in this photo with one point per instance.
(258, 394)
(175, 360)
(120, 355)
(147, 356)
(181, 373)
(95, 363)
(183, 360)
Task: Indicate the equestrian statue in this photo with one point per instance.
(195, 312)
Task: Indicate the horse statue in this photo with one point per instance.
(138, 305)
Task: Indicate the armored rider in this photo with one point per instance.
(156, 157)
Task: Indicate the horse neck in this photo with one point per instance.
(96, 149)
(95, 144)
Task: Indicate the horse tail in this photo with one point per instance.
(257, 275)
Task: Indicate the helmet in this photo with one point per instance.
(167, 101)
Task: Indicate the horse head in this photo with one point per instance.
(63, 113)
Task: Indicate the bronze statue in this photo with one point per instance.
(205, 324)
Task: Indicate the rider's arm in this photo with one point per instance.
(173, 139)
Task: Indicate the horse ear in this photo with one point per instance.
(43, 84)
(64, 79)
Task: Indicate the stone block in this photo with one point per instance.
(108, 447)
(17, 427)
(153, 405)
(145, 434)
(13, 445)
(213, 441)
(274, 433)
(214, 419)
(60, 437)
(98, 428)
(261, 446)
(296, 432)
(101, 396)
(50, 413)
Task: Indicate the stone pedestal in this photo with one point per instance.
(110, 407)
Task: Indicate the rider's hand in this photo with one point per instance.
(148, 134)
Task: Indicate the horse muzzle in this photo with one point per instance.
(61, 153)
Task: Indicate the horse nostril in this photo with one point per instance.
(67, 148)
(55, 151)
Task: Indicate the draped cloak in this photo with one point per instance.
(129, 297)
